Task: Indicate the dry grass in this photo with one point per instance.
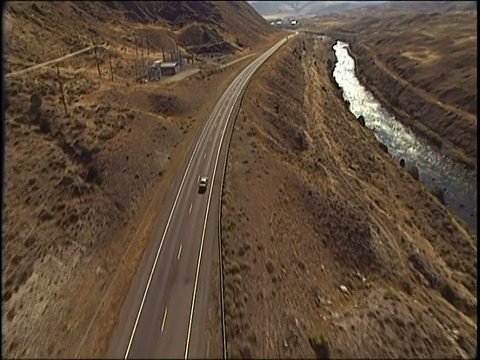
(422, 66)
(81, 184)
(311, 203)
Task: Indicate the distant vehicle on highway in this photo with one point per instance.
(202, 184)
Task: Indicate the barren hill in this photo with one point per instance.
(331, 248)
(305, 8)
(427, 6)
(91, 153)
(40, 31)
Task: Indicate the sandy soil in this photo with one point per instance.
(330, 247)
(422, 66)
(86, 173)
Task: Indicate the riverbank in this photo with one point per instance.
(346, 253)
(419, 60)
(446, 178)
(451, 128)
(425, 116)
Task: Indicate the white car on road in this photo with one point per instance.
(202, 184)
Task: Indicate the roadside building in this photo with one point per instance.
(169, 68)
(155, 72)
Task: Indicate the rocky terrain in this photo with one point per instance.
(90, 153)
(330, 248)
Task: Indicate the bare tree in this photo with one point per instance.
(111, 67)
(62, 93)
(178, 54)
(96, 56)
(135, 64)
(142, 65)
(147, 42)
(136, 47)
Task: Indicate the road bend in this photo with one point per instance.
(165, 312)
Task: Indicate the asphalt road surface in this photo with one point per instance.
(165, 312)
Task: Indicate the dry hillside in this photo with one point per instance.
(303, 9)
(63, 27)
(422, 65)
(329, 246)
(89, 159)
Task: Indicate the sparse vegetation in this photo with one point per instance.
(319, 343)
(330, 230)
(390, 294)
(421, 64)
(89, 155)
(413, 171)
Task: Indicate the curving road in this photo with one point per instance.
(165, 312)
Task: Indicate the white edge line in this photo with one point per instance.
(209, 201)
(213, 114)
(222, 99)
(202, 242)
(205, 226)
(164, 319)
(179, 251)
(155, 262)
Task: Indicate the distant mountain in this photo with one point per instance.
(429, 6)
(304, 8)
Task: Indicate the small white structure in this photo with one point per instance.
(155, 71)
(169, 68)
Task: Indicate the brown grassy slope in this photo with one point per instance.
(311, 203)
(423, 6)
(424, 67)
(63, 27)
(78, 186)
(438, 41)
(58, 212)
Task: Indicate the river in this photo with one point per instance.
(436, 170)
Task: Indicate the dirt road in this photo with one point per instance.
(54, 61)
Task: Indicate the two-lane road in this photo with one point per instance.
(164, 314)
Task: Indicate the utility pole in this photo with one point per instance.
(96, 57)
(136, 47)
(163, 54)
(142, 66)
(62, 93)
(178, 56)
(111, 67)
(148, 46)
(136, 58)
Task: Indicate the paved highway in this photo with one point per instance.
(165, 312)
